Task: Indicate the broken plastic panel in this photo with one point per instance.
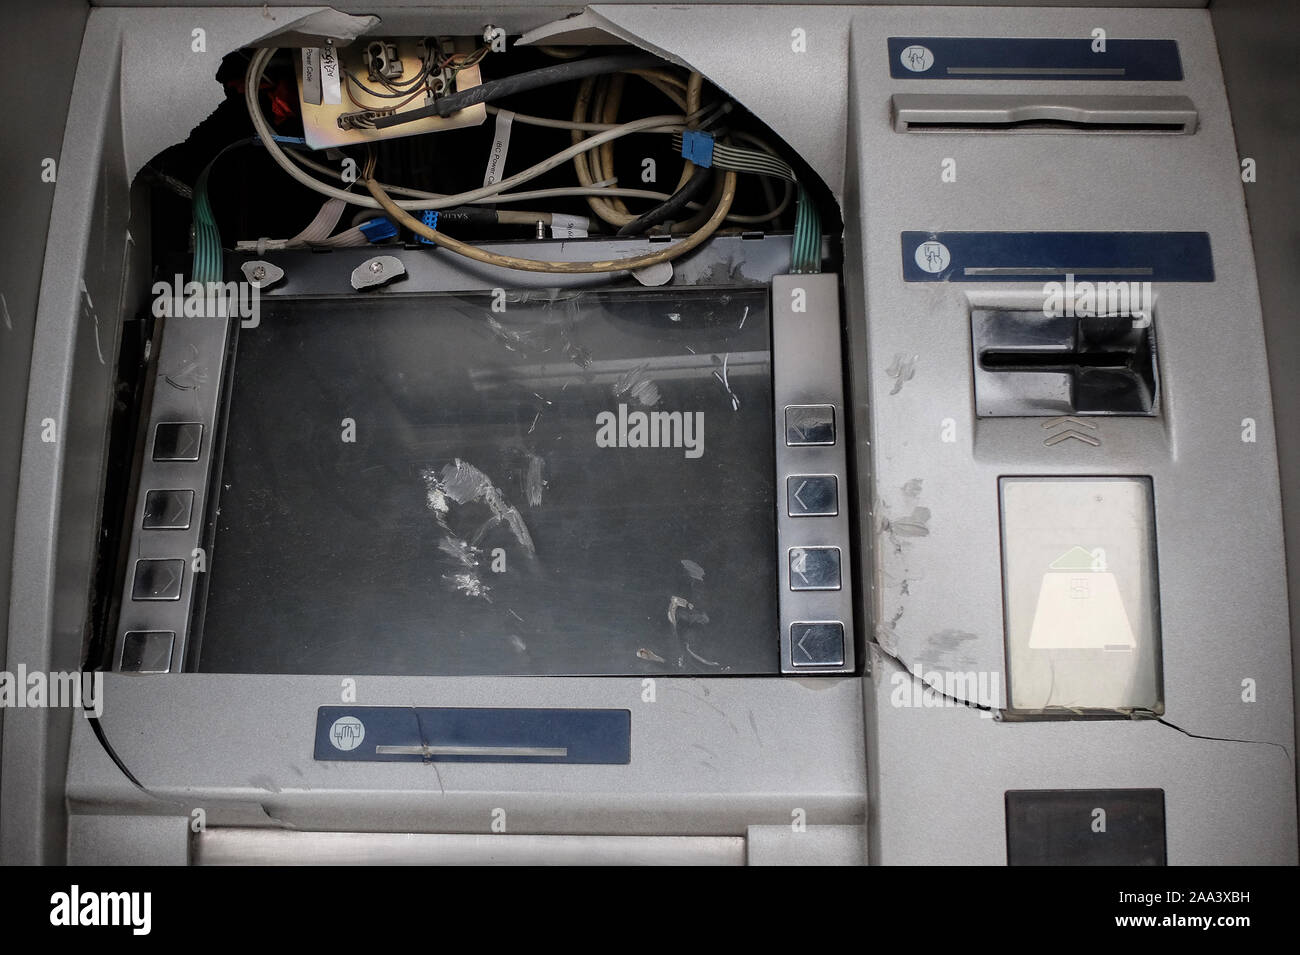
(1081, 598)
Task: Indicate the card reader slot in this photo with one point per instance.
(965, 112)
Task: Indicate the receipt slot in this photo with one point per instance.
(1082, 613)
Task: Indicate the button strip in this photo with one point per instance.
(812, 516)
(159, 589)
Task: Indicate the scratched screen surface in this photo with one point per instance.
(434, 485)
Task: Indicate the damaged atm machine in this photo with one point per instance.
(632, 446)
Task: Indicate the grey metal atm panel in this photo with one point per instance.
(937, 595)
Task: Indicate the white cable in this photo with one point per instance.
(254, 76)
(316, 231)
(320, 227)
(566, 123)
(566, 191)
(603, 188)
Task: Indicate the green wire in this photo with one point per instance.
(209, 264)
(207, 238)
(805, 248)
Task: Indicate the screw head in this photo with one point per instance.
(259, 272)
(376, 266)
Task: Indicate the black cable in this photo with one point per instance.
(671, 206)
(522, 82)
(467, 215)
(98, 730)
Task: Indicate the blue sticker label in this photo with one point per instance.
(1024, 58)
(1051, 256)
(473, 734)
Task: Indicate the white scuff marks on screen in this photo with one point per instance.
(720, 373)
(576, 352)
(682, 614)
(436, 500)
(637, 384)
(700, 659)
(545, 403)
(688, 621)
(514, 339)
(461, 551)
(461, 484)
(534, 482)
(471, 585)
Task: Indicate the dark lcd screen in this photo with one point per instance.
(518, 483)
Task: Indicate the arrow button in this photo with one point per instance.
(814, 568)
(812, 495)
(167, 510)
(147, 651)
(158, 579)
(817, 644)
(177, 441)
(807, 425)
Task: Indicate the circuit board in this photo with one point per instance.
(341, 88)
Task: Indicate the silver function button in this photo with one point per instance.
(147, 651)
(807, 425)
(814, 568)
(177, 441)
(812, 495)
(817, 644)
(158, 579)
(167, 510)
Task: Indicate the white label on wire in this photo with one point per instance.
(331, 90)
(569, 227)
(311, 77)
(500, 144)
